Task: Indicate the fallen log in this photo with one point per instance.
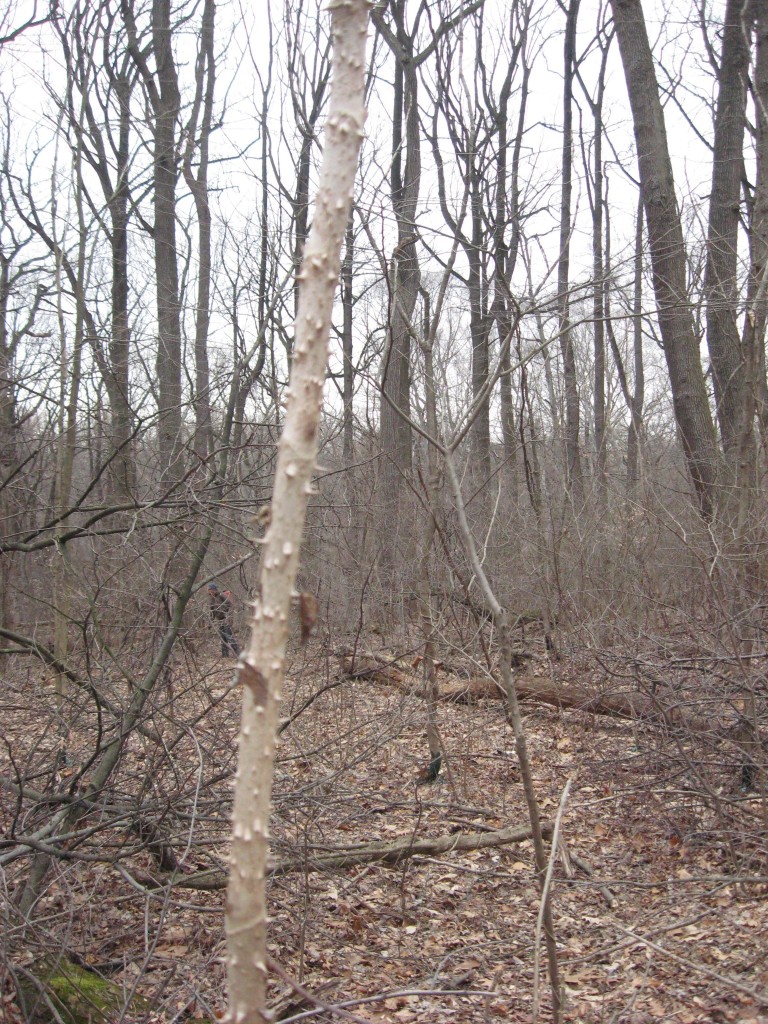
(613, 704)
(387, 853)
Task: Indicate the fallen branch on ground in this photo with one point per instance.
(388, 853)
(633, 706)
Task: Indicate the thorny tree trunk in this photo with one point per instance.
(263, 668)
(668, 258)
(574, 477)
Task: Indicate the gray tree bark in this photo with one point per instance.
(721, 276)
(668, 257)
(574, 475)
(201, 121)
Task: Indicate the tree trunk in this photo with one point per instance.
(480, 330)
(574, 476)
(599, 283)
(505, 252)
(117, 381)
(721, 277)
(404, 286)
(637, 402)
(166, 111)
(202, 112)
(347, 305)
(262, 670)
(668, 257)
(753, 336)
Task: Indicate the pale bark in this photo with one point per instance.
(262, 671)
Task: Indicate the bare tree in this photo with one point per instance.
(721, 280)
(597, 203)
(110, 83)
(162, 90)
(574, 475)
(401, 35)
(668, 258)
(198, 136)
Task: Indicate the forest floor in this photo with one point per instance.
(671, 926)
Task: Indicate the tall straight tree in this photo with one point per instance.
(405, 181)
(721, 281)
(506, 216)
(198, 135)
(596, 189)
(668, 256)
(162, 92)
(574, 475)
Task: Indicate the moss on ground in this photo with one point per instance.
(79, 996)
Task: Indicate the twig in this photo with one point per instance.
(759, 997)
(545, 899)
(392, 853)
(584, 866)
(307, 996)
(404, 994)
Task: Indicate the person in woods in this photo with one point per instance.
(222, 609)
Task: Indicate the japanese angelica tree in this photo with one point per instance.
(262, 669)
